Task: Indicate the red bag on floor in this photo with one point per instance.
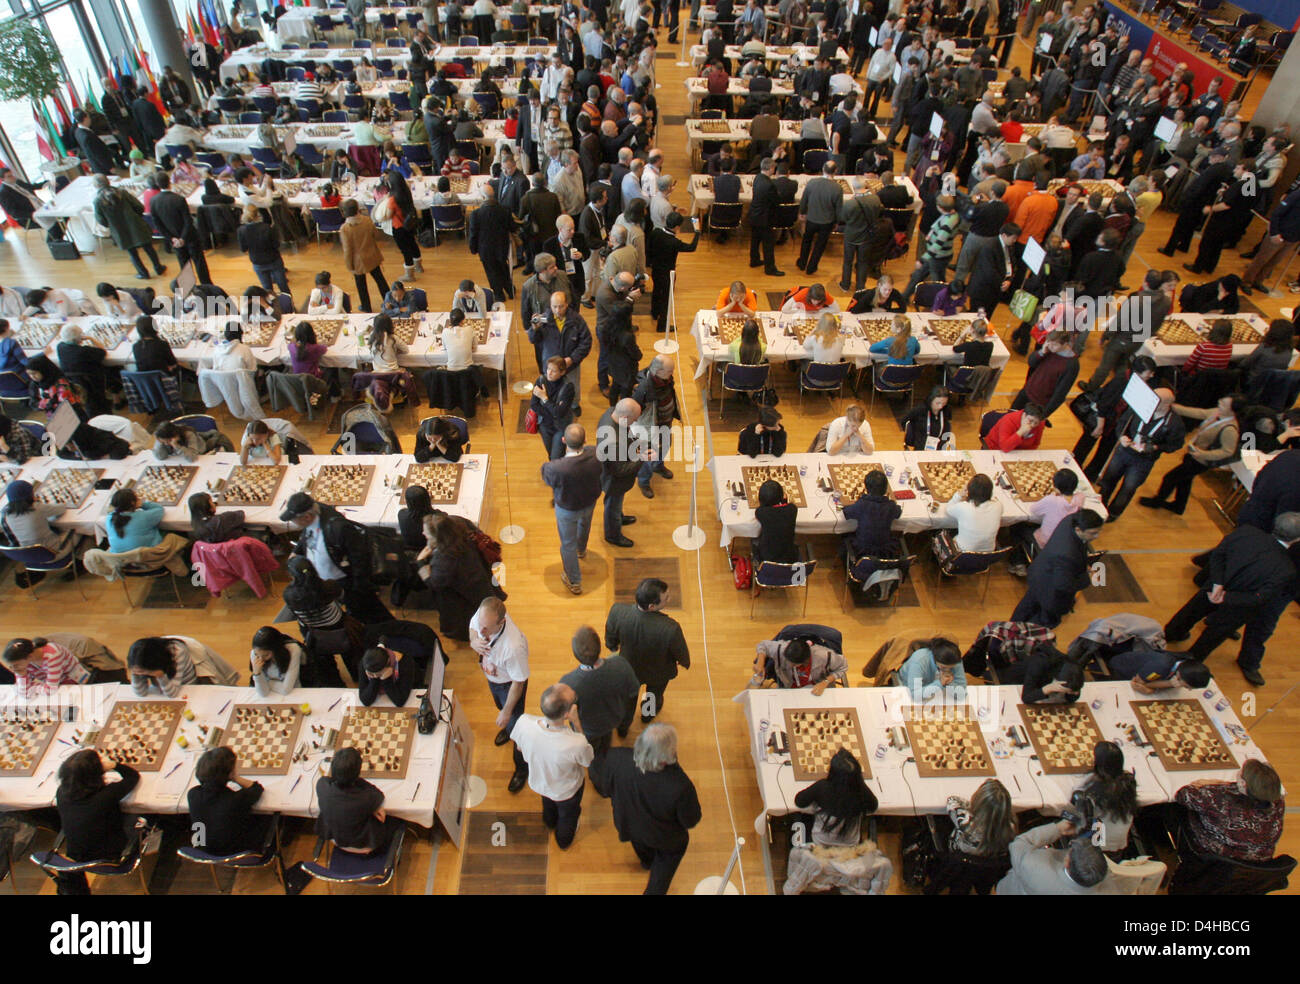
(741, 573)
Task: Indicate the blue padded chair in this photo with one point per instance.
(769, 575)
(327, 220)
(42, 561)
(891, 379)
(738, 378)
(823, 377)
(348, 868)
(54, 864)
(200, 422)
(265, 856)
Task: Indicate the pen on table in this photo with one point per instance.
(172, 769)
(295, 784)
(223, 707)
(65, 741)
(1017, 779)
(332, 706)
(416, 793)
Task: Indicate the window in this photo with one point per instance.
(20, 128)
(65, 29)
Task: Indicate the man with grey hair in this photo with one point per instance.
(82, 359)
(656, 390)
(567, 185)
(576, 480)
(535, 295)
(503, 655)
(654, 162)
(621, 454)
(1038, 868)
(603, 688)
(557, 755)
(660, 206)
(622, 256)
(654, 802)
(123, 215)
(1248, 581)
(620, 356)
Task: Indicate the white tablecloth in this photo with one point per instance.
(900, 790)
(822, 516)
(349, 349)
(701, 189)
(165, 791)
(235, 138)
(253, 56)
(383, 500)
(737, 130)
(1175, 355)
(774, 54)
(738, 88)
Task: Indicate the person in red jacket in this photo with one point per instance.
(1018, 430)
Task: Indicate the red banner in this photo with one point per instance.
(1167, 54)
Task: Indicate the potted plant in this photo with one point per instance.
(29, 68)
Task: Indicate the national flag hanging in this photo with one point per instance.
(53, 132)
(91, 100)
(152, 95)
(63, 113)
(42, 144)
(191, 31)
(209, 23)
(73, 99)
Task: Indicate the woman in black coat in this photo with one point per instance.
(455, 571)
(776, 521)
(94, 826)
(1216, 297)
(932, 419)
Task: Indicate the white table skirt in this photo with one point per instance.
(1165, 354)
(900, 790)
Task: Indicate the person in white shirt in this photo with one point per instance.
(385, 347)
(274, 662)
(557, 753)
(53, 302)
(231, 352)
(114, 303)
(260, 445)
(825, 344)
(252, 191)
(325, 297)
(459, 341)
(503, 654)
(978, 516)
(850, 434)
(471, 299)
(549, 89)
(650, 173)
(880, 74)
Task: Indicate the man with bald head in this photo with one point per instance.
(621, 454)
(1141, 442)
(563, 332)
(576, 481)
(558, 755)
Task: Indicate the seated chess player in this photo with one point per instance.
(438, 439)
(402, 303)
(1240, 819)
(839, 802)
(1065, 500)
(1038, 868)
(984, 825)
(352, 811)
(160, 666)
(737, 300)
(795, 663)
(325, 298)
(41, 667)
(776, 518)
(388, 672)
(209, 526)
(91, 820)
(1153, 670)
(274, 662)
(260, 445)
(809, 300)
(29, 521)
(978, 515)
(764, 436)
(875, 514)
(1050, 677)
(928, 427)
(1017, 430)
(934, 670)
(173, 440)
(1112, 790)
(850, 434)
(222, 818)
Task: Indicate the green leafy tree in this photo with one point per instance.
(29, 62)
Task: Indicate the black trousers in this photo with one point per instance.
(1104, 445)
(660, 297)
(189, 252)
(562, 816)
(363, 291)
(497, 269)
(652, 700)
(855, 253)
(407, 243)
(762, 235)
(1220, 622)
(149, 252)
(1032, 610)
(1180, 237)
(815, 237)
(1178, 482)
(662, 865)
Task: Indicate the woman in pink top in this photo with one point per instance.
(305, 352)
(1049, 510)
(41, 667)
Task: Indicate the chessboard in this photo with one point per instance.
(1031, 480)
(872, 185)
(1172, 331)
(68, 486)
(24, 740)
(1182, 735)
(164, 484)
(1063, 735)
(405, 330)
(139, 732)
(786, 475)
(8, 474)
(231, 132)
(109, 334)
(713, 126)
(947, 330)
(252, 485)
(327, 130)
(815, 734)
(383, 736)
(944, 747)
(258, 334)
(1032, 129)
(459, 183)
(440, 478)
(342, 485)
(844, 186)
(264, 736)
(35, 334)
(876, 329)
(847, 479)
(945, 479)
(480, 327)
(177, 334)
(1244, 333)
(801, 328)
(327, 329)
(729, 329)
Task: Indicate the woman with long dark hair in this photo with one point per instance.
(274, 662)
(1113, 791)
(986, 825)
(209, 526)
(160, 665)
(50, 389)
(315, 605)
(401, 216)
(91, 818)
(841, 800)
(410, 519)
(455, 571)
(133, 524)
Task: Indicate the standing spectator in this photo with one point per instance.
(602, 688)
(556, 754)
(490, 230)
(261, 242)
(576, 479)
(171, 215)
(503, 655)
(123, 214)
(1140, 444)
(362, 254)
(652, 642)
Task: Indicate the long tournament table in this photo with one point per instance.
(382, 502)
(899, 788)
(1166, 354)
(738, 88)
(414, 798)
(701, 189)
(822, 516)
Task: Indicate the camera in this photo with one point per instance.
(539, 319)
(638, 281)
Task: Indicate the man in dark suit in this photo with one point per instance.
(726, 183)
(1059, 571)
(1140, 444)
(563, 332)
(1200, 194)
(590, 154)
(339, 550)
(654, 802)
(652, 642)
(1081, 230)
(171, 214)
(593, 228)
(1249, 580)
(992, 270)
(511, 185)
(18, 198)
(489, 237)
(616, 447)
(569, 248)
(148, 122)
(576, 479)
(93, 150)
(761, 213)
(1276, 491)
(1100, 270)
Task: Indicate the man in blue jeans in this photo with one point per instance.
(620, 461)
(655, 390)
(503, 654)
(576, 479)
(1140, 444)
